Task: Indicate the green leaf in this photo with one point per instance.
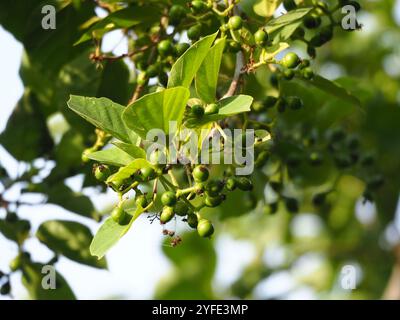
(186, 67)
(124, 18)
(16, 231)
(156, 110)
(288, 18)
(333, 89)
(286, 32)
(70, 239)
(103, 113)
(134, 151)
(228, 107)
(207, 76)
(129, 170)
(110, 232)
(266, 8)
(112, 156)
(32, 278)
(77, 203)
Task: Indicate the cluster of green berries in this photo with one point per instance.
(198, 111)
(290, 62)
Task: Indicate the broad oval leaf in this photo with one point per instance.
(185, 68)
(113, 156)
(70, 239)
(134, 151)
(33, 277)
(110, 232)
(266, 8)
(127, 171)
(285, 19)
(207, 76)
(103, 113)
(156, 110)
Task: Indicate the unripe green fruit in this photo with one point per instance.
(153, 70)
(307, 73)
(290, 60)
(176, 14)
(270, 101)
(167, 214)
(181, 208)
(214, 187)
(312, 21)
(274, 80)
(205, 228)
(197, 111)
(289, 5)
(288, 74)
(194, 32)
(235, 23)
(295, 103)
(168, 198)
(165, 48)
(198, 6)
(163, 79)
(141, 201)
(261, 37)
(258, 107)
(305, 63)
(281, 105)
(311, 51)
(147, 173)
(244, 184)
(180, 48)
(213, 201)
(192, 220)
(292, 205)
(102, 172)
(230, 184)
(120, 216)
(200, 173)
(234, 46)
(212, 108)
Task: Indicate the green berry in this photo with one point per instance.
(312, 21)
(295, 103)
(230, 184)
(200, 173)
(289, 5)
(281, 105)
(165, 48)
(147, 173)
(197, 111)
(194, 32)
(167, 214)
(180, 48)
(141, 201)
(102, 172)
(213, 201)
(163, 79)
(305, 63)
(205, 228)
(181, 208)
(244, 184)
(176, 14)
(198, 6)
(288, 74)
(261, 37)
(274, 80)
(120, 216)
(214, 187)
(234, 46)
(192, 220)
(168, 198)
(235, 23)
(311, 51)
(290, 60)
(212, 108)
(307, 73)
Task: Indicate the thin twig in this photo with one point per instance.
(236, 77)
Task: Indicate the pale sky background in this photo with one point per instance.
(136, 263)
